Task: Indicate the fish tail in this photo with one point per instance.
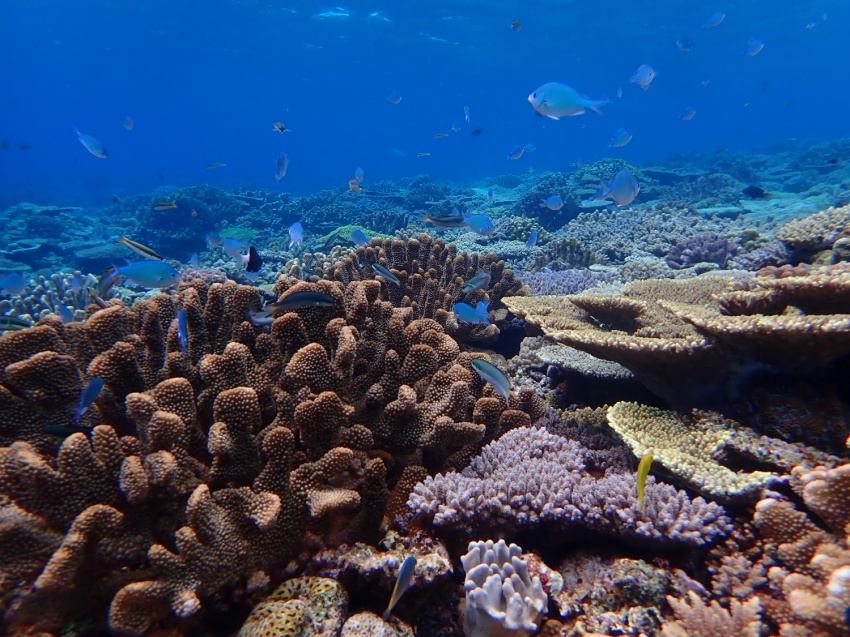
(596, 105)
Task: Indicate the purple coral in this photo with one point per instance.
(705, 248)
(572, 281)
(530, 477)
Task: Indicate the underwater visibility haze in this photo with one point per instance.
(425, 318)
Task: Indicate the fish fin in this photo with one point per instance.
(596, 105)
(553, 117)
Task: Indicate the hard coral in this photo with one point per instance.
(431, 276)
(530, 478)
(216, 462)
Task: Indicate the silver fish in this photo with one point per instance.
(389, 276)
(405, 577)
(493, 375)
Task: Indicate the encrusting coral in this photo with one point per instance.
(216, 462)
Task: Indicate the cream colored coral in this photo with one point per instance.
(685, 452)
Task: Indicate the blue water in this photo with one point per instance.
(203, 82)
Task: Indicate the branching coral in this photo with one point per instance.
(431, 276)
(530, 478)
(216, 461)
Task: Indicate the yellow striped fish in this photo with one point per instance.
(139, 248)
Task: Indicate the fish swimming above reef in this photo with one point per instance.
(255, 261)
(354, 186)
(146, 274)
(13, 323)
(643, 76)
(755, 192)
(622, 189)
(688, 114)
(280, 166)
(714, 19)
(532, 239)
(493, 375)
(359, 238)
(91, 144)
(183, 332)
(642, 473)
(384, 272)
(454, 220)
(754, 47)
(296, 301)
(554, 202)
(556, 100)
(139, 248)
(280, 128)
(402, 583)
(620, 138)
(480, 224)
(478, 282)
(296, 234)
(164, 205)
(89, 395)
(12, 283)
(468, 314)
(233, 247)
(516, 152)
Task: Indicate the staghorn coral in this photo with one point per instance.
(705, 248)
(431, 276)
(696, 619)
(530, 478)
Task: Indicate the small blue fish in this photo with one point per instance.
(146, 274)
(405, 577)
(213, 238)
(516, 152)
(623, 189)
(233, 247)
(714, 20)
(554, 202)
(12, 283)
(643, 76)
(91, 144)
(620, 138)
(296, 234)
(76, 282)
(90, 393)
(195, 261)
(389, 276)
(480, 224)
(689, 113)
(532, 239)
(468, 314)
(529, 148)
(454, 220)
(359, 238)
(754, 47)
(64, 313)
(493, 375)
(478, 282)
(183, 332)
(13, 323)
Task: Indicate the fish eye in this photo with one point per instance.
(534, 95)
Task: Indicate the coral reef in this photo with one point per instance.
(530, 478)
(251, 438)
(501, 597)
(431, 275)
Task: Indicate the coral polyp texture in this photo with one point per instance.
(195, 473)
